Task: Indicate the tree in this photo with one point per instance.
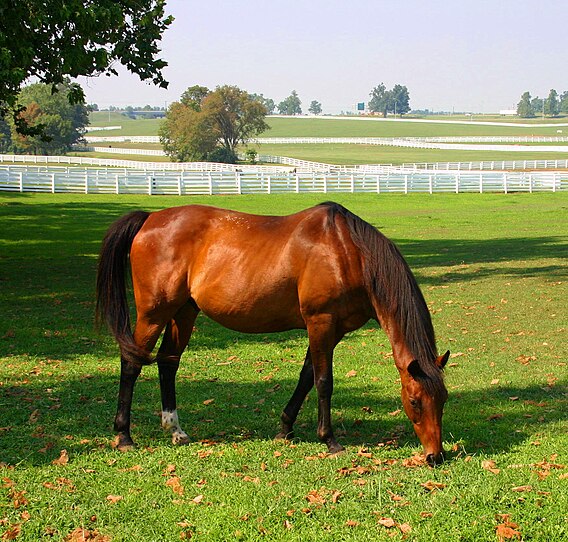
(212, 128)
(50, 40)
(267, 102)
(315, 107)
(400, 100)
(63, 123)
(290, 105)
(524, 107)
(194, 96)
(551, 104)
(537, 105)
(380, 100)
(386, 101)
(563, 106)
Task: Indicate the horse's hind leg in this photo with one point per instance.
(146, 335)
(177, 335)
(290, 413)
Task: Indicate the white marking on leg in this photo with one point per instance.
(170, 422)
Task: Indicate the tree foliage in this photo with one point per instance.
(552, 104)
(292, 105)
(315, 107)
(267, 102)
(386, 101)
(62, 123)
(49, 40)
(209, 125)
(524, 107)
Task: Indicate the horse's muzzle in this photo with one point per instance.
(435, 459)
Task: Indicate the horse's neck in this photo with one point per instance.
(401, 352)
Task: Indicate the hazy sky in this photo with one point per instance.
(462, 55)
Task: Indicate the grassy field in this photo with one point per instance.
(493, 270)
(320, 127)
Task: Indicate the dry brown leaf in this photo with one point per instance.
(314, 497)
(351, 374)
(430, 485)
(84, 535)
(114, 498)
(387, 522)
(507, 531)
(198, 499)
(522, 489)
(490, 466)
(287, 524)
(405, 528)
(12, 532)
(208, 401)
(63, 458)
(175, 485)
(351, 523)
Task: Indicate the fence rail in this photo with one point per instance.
(128, 181)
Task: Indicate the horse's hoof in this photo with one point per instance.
(284, 436)
(180, 439)
(123, 443)
(335, 448)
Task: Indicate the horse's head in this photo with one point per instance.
(423, 403)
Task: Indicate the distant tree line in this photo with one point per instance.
(551, 106)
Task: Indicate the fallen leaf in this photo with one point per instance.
(507, 531)
(405, 528)
(12, 532)
(351, 523)
(175, 485)
(430, 485)
(490, 466)
(198, 499)
(351, 374)
(314, 497)
(387, 522)
(63, 459)
(208, 401)
(521, 489)
(495, 381)
(84, 535)
(114, 498)
(287, 524)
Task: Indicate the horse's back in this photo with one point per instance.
(249, 272)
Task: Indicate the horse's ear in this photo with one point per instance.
(414, 369)
(442, 360)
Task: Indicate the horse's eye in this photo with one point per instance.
(414, 403)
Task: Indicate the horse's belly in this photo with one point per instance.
(251, 311)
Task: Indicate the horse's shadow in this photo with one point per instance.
(77, 415)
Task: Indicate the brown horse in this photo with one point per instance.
(323, 269)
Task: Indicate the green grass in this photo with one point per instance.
(493, 270)
(378, 154)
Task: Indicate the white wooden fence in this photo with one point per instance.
(129, 181)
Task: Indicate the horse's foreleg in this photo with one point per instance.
(176, 337)
(290, 413)
(323, 338)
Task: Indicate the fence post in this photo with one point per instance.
(406, 184)
(457, 183)
(480, 182)
(297, 183)
(21, 179)
(324, 182)
(554, 177)
(505, 187)
(430, 184)
(53, 183)
(352, 183)
(86, 181)
(268, 187)
(530, 183)
(378, 184)
(149, 185)
(117, 183)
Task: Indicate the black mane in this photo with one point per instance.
(393, 284)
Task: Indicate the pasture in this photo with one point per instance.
(493, 271)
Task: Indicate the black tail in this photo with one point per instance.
(112, 304)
